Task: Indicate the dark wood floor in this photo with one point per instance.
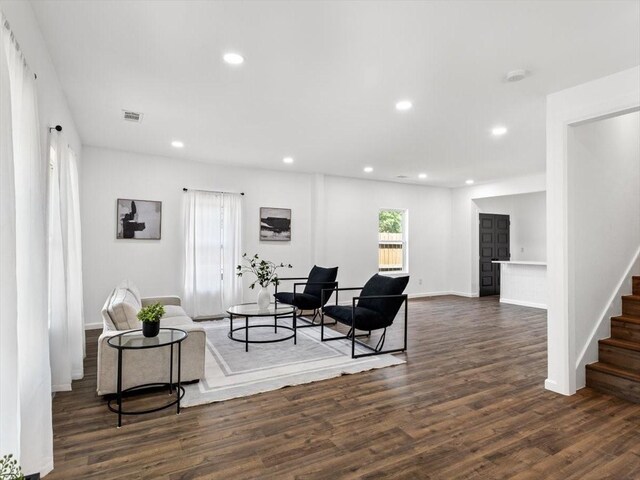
(469, 403)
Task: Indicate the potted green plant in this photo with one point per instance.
(265, 273)
(9, 468)
(150, 317)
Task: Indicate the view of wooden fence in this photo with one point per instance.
(390, 252)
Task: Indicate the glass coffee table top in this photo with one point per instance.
(253, 310)
(135, 339)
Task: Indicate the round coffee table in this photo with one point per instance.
(135, 340)
(252, 310)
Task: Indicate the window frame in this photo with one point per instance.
(405, 242)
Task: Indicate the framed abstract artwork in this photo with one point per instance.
(139, 219)
(275, 224)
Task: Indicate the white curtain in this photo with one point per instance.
(25, 379)
(212, 252)
(66, 321)
(231, 249)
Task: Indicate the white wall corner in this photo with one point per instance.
(319, 224)
(599, 98)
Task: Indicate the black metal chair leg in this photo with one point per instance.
(295, 326)
(380, 343)
(353, 344)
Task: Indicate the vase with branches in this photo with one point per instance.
(9, 468)
(265, 272)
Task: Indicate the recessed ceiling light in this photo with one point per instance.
(404, 105)
(368, 169)
(177, 144)
(422, 175)
(469, 182)
(497, 131)
(233, 58)
(287, 159)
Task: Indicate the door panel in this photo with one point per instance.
(494, 245)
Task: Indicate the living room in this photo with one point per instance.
(367, 151)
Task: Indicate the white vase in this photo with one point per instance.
(264, 298)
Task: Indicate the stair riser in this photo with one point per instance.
(630, 307)
(625, 331)
(614, 385)
(636, 285)
(620, 357)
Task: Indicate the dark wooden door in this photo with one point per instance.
(494, 245)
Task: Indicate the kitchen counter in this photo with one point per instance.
(523, 283)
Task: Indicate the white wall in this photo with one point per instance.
(351, 232)
(52, 103)
(597, 99)
(334, 222)
(463, 264)
(528, 215)
(156, 266)
(604, 208)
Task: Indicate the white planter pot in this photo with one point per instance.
(264, 298)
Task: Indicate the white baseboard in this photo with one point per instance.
(428, 294)
(464, 294)
(553, 386)
(523, 303)
(93, 326)
(61, 388)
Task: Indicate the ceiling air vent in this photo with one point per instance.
(401, 176)
(516, 75)
(130, 116)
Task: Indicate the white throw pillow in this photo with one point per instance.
(129, 285)
(124, 309)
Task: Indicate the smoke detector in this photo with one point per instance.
(516, 75)
(130, 116)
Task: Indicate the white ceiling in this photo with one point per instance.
(321, 79)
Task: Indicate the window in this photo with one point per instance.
(392, 241)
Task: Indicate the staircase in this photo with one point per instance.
(618, 371)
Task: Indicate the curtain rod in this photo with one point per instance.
(210, 191)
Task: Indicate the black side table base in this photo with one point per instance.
(150, 410)
(135, 341)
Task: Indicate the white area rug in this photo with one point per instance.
(231, 372)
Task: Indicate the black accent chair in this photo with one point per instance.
(378, 304)
(311, 297)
